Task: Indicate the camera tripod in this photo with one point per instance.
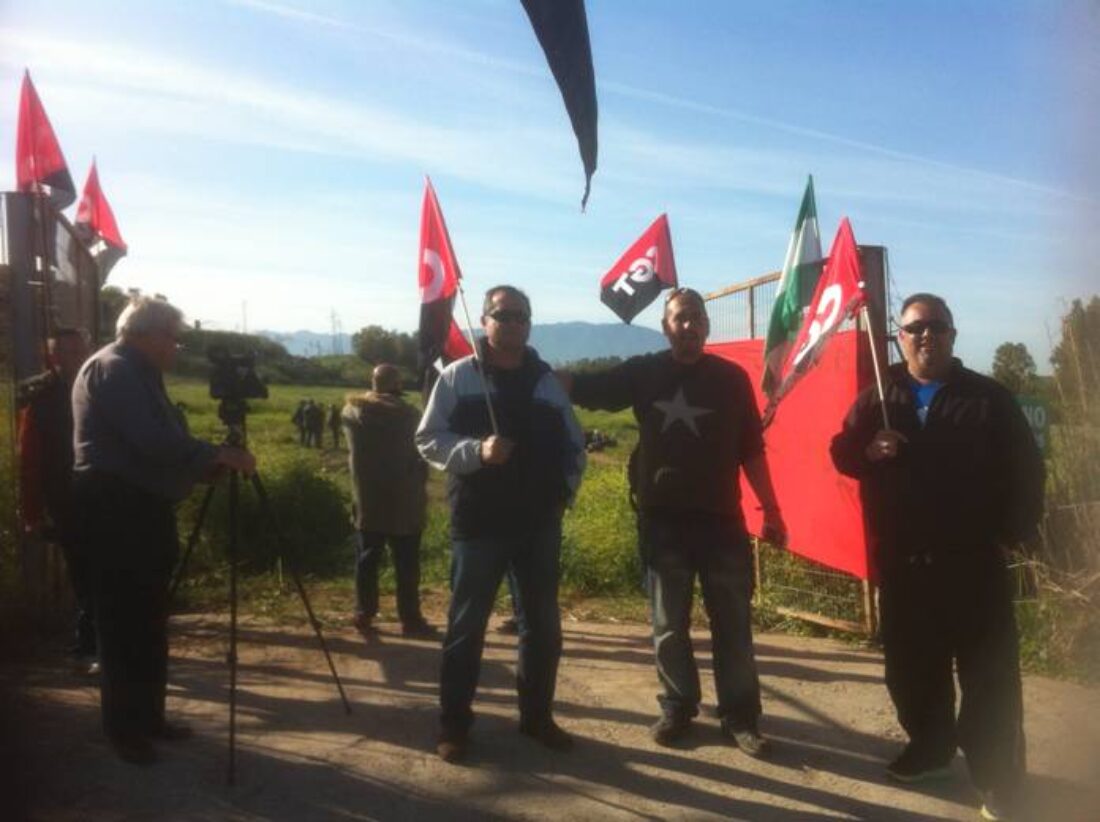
(232, 413)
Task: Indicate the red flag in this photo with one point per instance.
(838, 296)
(437, 275)
(38, 159)
(96, 226)
(641, 273)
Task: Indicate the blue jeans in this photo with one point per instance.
(477, 566)
(406, 567)
(677, 546)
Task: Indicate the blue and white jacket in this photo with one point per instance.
(540, 479)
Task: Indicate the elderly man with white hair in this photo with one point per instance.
(134, 460)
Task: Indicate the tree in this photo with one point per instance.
(1014, 367)
(1076, 358)
(375, 344)
(112, 300)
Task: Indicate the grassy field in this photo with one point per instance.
(310, 492)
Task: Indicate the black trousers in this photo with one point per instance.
(132, 547)
(406, 566)
(80, 577)
(947, 614)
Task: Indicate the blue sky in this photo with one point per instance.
(274, 152)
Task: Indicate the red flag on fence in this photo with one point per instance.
(96, 226)
(39, 162)
(438, 276)
(641, 273)
(838, 296)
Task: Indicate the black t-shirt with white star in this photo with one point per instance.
(697, 424)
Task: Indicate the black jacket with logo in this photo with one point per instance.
(970, 479)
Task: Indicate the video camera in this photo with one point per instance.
(233, 376)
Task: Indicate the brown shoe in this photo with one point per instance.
(173, 732)
(549, 733)
(452, 746)
(135, 751)
(419, 629)
(363, 626)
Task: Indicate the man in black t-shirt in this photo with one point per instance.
(698, 427)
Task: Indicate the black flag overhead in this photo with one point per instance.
(562, 29)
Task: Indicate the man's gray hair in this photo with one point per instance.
(147, 315)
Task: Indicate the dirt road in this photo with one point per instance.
(301, 758)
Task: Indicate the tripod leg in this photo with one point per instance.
(265, 503)
(234, 491)
(192, 540)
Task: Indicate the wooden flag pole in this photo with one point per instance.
(866, 313)
(477, 359)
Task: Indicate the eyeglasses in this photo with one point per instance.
(507, 315)
(918, 327)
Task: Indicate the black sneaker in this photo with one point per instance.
(670, 729)
(748, 740)
(915, 766)
(549, 733)
(508, 626)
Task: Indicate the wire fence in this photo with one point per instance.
(786, 583)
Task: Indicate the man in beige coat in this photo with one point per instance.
(387, 482)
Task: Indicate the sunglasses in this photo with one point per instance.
(505, 315)
(918, 327)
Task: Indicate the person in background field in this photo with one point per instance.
(953, 484)
(299, 420)
(390, 500)
(45, 471)
(315, 424)
(699, 427)
(334, 423)
(508, 492)
(133, 461)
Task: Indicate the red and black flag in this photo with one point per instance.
(438, 275)
(39, 163)
(838, 296)
(95, 225)
(641, 273)
(562, 29)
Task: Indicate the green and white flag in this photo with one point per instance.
(802, 262)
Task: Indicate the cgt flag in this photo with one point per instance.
(562, 29)
(838, 296)
(95, 225)
(641, 273)
(438, 275)
(39, 163)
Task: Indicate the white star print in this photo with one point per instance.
(678, 410)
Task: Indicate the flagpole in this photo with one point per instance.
(866, 313)
(477, 359)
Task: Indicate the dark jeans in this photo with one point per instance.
(132, 546)
(406, 566)
(677, 547)
(79, 568)
(477, 566)
(945, 613)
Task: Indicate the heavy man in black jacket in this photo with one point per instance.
(954, 481)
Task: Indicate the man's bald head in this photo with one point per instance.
(386, 379)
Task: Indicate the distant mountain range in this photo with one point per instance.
(557, 343)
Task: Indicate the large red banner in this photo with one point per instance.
(820, 506)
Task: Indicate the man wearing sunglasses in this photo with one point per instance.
(508, 483)
(699, 427)
(953, 482)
